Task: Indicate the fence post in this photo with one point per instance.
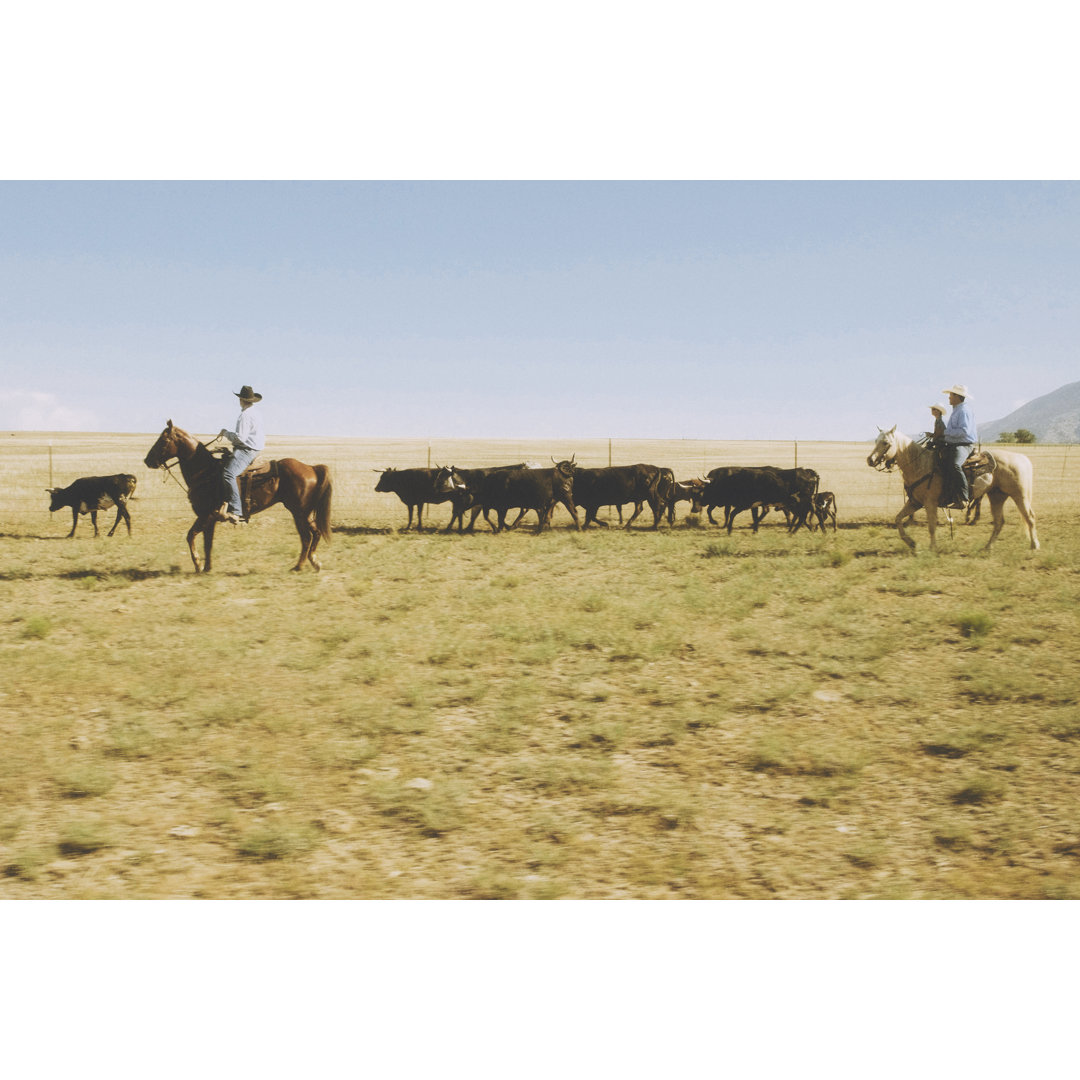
(609, 453)
(50, 463)
(429, 457)
(796, 453)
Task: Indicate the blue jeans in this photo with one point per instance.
(955, 479)
(234, 466)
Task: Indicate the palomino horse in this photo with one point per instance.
(304, 490)
(1011, 477)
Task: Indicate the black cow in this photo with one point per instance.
(739, 489)
(89, 494)
(524, 489)
(415, 487)
(616, 485)
(672, 492)
(825, 509)
(467, 484)
(801, 486)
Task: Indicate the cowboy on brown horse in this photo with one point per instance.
(247, 442)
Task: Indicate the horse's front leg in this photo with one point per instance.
(931, 523)
(208, 541)
(204, 525)
(192, 533)
(906, 514)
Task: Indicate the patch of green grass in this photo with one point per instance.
(130, 739)
(83, 836)
(788, 751)
(978, 790)
(973, 624)
(276, 840)
(719, 549)
(36, 628)
(84, 781)
(433, 810)
(25, 863)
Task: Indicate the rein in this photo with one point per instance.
(887, 465)
(167, 465)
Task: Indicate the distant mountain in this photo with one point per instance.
(1052, 418)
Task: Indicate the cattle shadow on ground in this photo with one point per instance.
(363, 530)
(134, 573)
(32, 536)
(128, 574)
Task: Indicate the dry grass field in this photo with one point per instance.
(599, 715)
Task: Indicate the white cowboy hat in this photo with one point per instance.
(247, 394)
(938, 409)
(959, 390)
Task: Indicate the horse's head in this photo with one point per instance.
(173, 442)
(883, 456)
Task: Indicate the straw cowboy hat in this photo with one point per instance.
(959, 390)
(247, 394)
(939, 409)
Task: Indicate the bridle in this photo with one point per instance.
(175, 460)
(885, 463)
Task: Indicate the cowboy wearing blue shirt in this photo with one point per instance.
(960, 436)
(247, 441)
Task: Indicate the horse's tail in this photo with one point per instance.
(323, 493)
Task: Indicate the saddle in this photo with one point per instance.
(258, 473)
(978, 463)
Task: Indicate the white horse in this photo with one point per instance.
(1011, 478)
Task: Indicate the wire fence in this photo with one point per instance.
(32, 462)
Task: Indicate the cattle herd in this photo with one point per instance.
(528, 487)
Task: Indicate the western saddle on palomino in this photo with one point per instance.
(979, 463)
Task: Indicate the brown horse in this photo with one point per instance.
(304, 490)
(1011, 478)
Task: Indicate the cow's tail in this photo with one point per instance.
(323, 494)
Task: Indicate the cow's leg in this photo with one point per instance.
(121, 512)
(74, 521)
(637, 510)
(571, 510)
(522, 511)
(93, 521)
(657, 508)
(419, 517)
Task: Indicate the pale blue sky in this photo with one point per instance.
(809, 310)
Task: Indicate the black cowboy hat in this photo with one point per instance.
(247, 394)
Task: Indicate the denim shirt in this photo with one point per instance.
(961, 426)
(248, 434)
